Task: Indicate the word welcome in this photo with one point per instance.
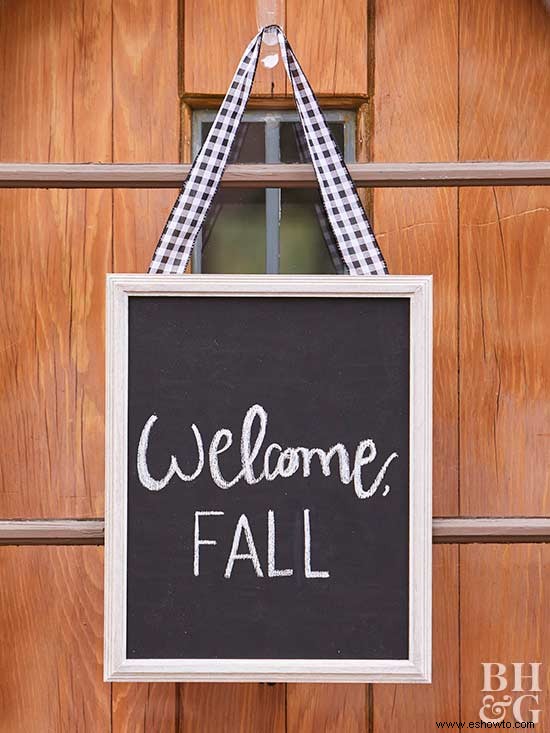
(276, 462)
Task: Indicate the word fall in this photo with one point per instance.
(276, 461)
(242, 530)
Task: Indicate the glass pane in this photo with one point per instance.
(292, 141)
(305, 233)
(234, 233)
(249, 145)
(302, 247)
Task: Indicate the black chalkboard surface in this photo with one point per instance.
(268, 492)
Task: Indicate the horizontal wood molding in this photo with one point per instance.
(491, 529)
(448, 530)
(52, 531)
(270, 102)
(151, 175)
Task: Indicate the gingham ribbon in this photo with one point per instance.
(355, 239)
(328, 235)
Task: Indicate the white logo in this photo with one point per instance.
(496, 678)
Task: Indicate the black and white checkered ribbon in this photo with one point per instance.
(355, 239)
(328, 235)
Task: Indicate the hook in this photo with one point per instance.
(270, 12)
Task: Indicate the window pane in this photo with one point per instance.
(303, 250)
(249, 146)
(234, 234)
(291, 133)
(304, 225)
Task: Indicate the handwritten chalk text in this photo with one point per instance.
(276, 461)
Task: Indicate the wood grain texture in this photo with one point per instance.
(329, 38)
(56, 99)
(328, 708)
(51, 373)
(505, 263)
(504, 81)
(232, 708)
(146, 125)
(504, 618)
(416, 708)
(415, 113)
(144, 708)
(146, 121)
(215, 35)
(56, 248)
(51, 640)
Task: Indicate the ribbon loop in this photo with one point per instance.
(355, 239)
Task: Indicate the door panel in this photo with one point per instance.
(415, 113)
(505, 263)
(146, 122)
(215, 36)
(56, 250)
(55, 83)
(332, 54)
(51, 646)
(336, 707)
(504, 619)
(55, 87)
(145, 708)
(224, 708)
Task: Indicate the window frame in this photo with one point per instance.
(272, 120)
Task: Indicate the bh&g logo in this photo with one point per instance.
(497, 678)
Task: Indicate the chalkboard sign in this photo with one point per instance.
(268, 478)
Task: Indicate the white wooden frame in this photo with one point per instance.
(417, 668)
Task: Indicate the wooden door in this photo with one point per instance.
(122, 81)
